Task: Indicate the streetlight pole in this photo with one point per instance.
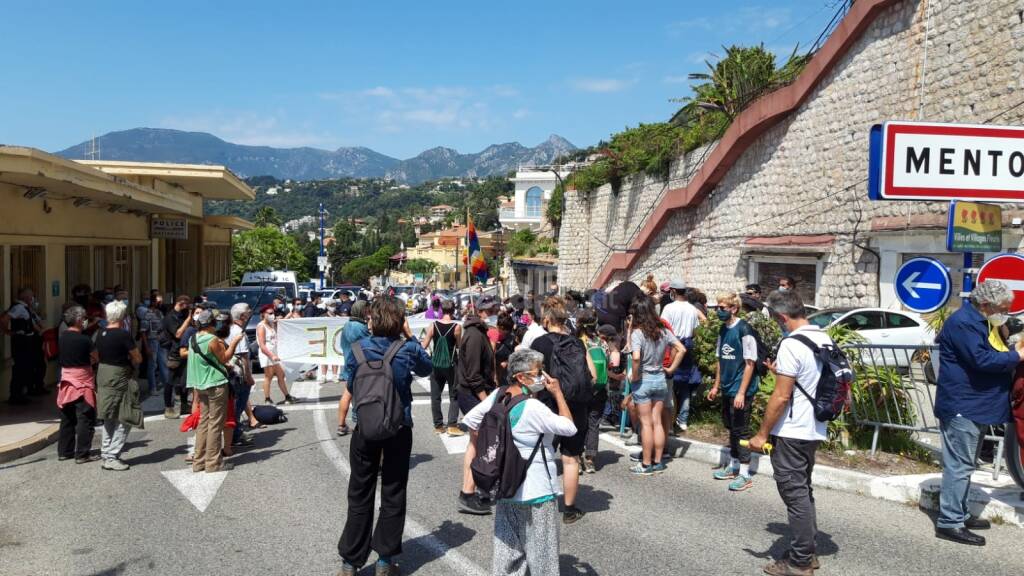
(320, 264)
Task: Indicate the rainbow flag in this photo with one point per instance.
(477, 264)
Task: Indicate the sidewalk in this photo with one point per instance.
(29, 428)
(1001, 501)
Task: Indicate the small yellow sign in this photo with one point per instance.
(974, 227)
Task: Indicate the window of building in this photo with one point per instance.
(76, 268)
(534, 202)
(28, 270)
(767, 271)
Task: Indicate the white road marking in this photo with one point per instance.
(455, 445)
(198, 487)
(423, 382)
(413, 529)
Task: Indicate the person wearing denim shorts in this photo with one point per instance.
(648, 341)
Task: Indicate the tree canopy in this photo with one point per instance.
(266, 248)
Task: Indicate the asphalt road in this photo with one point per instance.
(281, 510)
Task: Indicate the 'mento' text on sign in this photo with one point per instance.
(922, 161)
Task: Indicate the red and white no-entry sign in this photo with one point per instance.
(1008, 269)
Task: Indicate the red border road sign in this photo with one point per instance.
(930, 161)
(1009, 269)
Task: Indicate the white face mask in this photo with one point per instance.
(537, 384)
(997, 319)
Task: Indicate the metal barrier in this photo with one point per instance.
(895, 389)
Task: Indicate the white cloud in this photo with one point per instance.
(505, 91)
(250, 128)
(700, 23)
(600, 85)
(382, 91)
(520, 113)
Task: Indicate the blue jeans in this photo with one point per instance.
(960, 440)
(157, 360)
(683, 392)
(652, 388)
(241, 400)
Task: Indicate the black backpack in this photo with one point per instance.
(374, 395)
(266, 414)
(832, 396)
(760, 368)
(498, 468)
(569, 367)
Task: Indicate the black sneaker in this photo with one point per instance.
(471, 504)
(572, 514)
(289, 399)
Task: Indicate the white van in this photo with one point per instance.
(282, 278)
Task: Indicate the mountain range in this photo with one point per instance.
(165, 145)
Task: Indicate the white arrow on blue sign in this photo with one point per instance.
(923, 284)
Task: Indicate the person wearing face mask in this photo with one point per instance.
(787, 283)
(973, 393)
(266, 337)
(173, 327)
(736, 378)
(526, 525)
(76, 394)
(23, 323)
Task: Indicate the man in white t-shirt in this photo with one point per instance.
(684, 318)
(789, 424)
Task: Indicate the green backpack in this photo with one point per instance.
(600, 359)
(441, 355)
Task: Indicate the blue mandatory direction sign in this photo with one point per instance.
(923, 284)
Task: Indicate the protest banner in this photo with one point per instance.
(311, 340)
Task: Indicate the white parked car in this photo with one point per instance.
(880, 327)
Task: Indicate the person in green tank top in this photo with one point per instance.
(207, 375)
(597, 354)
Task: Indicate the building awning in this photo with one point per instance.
(229, 222)
(212, 182)
(536, 262)
(42, 174)
(818, 243)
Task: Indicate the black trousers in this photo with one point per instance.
(177, 383)
(389, 458)
(439, 377)
(738, 423)
(77, 421)
(793, 461)
(29, 369)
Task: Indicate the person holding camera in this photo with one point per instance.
(208, 358)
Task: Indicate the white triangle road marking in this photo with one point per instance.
(456, 444)
(199, 488)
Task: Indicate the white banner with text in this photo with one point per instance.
(318, 340)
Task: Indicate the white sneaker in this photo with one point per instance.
(683, 426)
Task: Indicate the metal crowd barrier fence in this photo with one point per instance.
(895, 389)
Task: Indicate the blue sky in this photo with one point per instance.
(398, 77)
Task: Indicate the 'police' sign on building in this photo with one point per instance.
(168, 228)
(923, 161)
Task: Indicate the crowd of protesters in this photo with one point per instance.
(559, 368)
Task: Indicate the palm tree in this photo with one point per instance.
(732, 83)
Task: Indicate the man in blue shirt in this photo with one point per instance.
(975, 377)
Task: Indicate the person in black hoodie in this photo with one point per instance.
(475, 374)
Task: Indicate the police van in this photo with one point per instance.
(273, 278)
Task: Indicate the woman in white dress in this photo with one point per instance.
(266, 337)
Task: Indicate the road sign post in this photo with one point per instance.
(923, 284)
(1008, 269)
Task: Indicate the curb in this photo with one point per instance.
(30, 445)
(1000, 505)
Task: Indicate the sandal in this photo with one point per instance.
(188, 458)
(343, 430)
(257, 425)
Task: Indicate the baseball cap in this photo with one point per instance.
(677, 284)
(665, 286)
